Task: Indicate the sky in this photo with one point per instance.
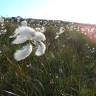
(83, 11)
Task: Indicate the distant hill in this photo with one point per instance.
(89, 30)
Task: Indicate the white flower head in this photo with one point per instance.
(23, 52)
(18, 18)
(1, 20)
(39, 36)
(0, 51)
(42, 29)
(57, 36)
(23, 34)
(40, 49)
(24, 23)
(61, 30)
(38, 29)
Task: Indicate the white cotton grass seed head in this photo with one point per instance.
(61, 30)
(0, 51)
(39, 36)
(43, 29)
(23, 52)
(1, 20)
(40, 49)
(29, 65)
(4, 31)
(24, 23)
(57, 36)
(38, 29)
(19, 39)
(2, 24)
(22, 34)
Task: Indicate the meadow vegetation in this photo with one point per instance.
(68, 67)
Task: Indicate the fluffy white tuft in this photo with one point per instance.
(22, 34)
(38, 29)
(57, 36)
(42, 29)
(40, 49)
(19, 39)
(24, 23)
(23, 52)
(39, 36)
(1, 20)
(61, 30)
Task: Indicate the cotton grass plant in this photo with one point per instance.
(25, 33)
(33, 38)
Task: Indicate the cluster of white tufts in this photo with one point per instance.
(61, 30)
(24, 33)
(2, 28)
(42, 29)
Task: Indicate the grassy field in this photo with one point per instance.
(68, 68)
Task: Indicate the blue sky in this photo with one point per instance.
(25, 8)
(83, 11)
